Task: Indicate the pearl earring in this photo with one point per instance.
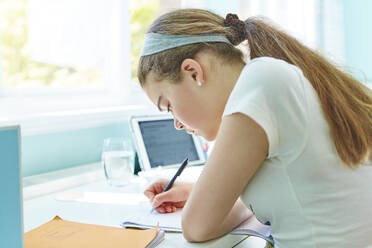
(199, 83)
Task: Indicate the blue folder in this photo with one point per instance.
(11, 212)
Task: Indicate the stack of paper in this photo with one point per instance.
(59, 233)
(171, 222)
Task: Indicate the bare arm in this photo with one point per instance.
(212, 208)
(238, 214)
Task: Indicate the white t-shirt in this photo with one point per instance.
(306, 192)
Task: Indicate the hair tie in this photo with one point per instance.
(238, 26)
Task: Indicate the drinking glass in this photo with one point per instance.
(118, 161)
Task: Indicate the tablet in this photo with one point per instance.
(159, 144)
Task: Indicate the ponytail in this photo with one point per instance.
(346, 103)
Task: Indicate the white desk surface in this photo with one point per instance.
(39, 210)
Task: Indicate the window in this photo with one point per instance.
(64, 45)
(142, 14)
(65, 58)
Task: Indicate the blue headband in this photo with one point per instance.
(155, 42)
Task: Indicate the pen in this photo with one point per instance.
(179, 171)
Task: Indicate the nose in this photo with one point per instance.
(178, 125)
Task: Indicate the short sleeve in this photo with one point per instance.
(271, 92)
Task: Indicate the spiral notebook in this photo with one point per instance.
(171, 222)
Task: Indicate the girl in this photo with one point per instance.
(293, 134)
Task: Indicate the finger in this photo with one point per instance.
(156, 182)
(158, 187)
(168, 208)
(169, 196)
(161, 209)
(171, 209)
(155, 188)
(149, 194)
(162, 183)
(179, 204)
(173, 205)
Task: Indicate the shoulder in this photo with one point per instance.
(271, 92)
(269, 76)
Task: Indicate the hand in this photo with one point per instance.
(169, 201)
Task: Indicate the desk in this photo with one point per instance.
(39, 210)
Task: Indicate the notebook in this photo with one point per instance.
(171, 222)
(138, 214)
(60, 233)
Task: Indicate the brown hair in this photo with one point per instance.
(346, 103)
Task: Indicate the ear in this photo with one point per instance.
(192, 70)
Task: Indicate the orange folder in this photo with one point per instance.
(59, 233)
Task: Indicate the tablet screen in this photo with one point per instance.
(166, 145)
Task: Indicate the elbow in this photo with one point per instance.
(189, 237)
(192, 232)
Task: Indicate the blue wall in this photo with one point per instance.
(358, 36)
(55, 151)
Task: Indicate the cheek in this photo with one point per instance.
(196, 114)
(187, 116)
(196, 119)
(186, 110)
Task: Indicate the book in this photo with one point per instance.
(58, 233)
(171, 222)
